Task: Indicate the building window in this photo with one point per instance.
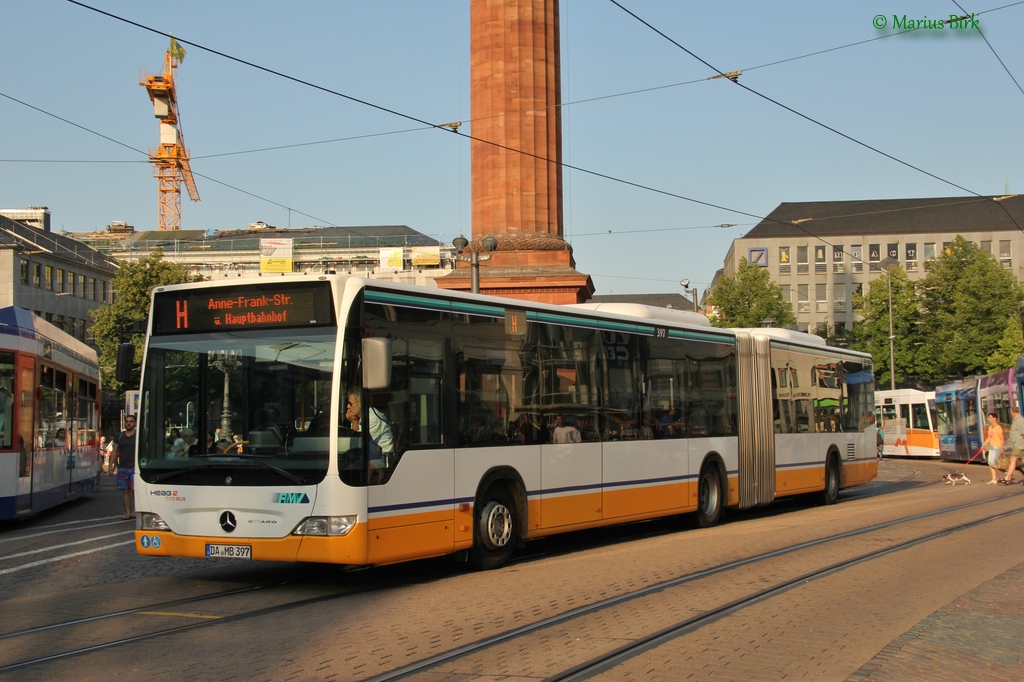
(803, 301)
(787, 294)
(37, 274)
(857, 258)
(48, 277)
(929, 251)
(820, 267)
(106, 290)
(784, 264)
(821, 298)
(81, 286)
(801, 260)
(874, 257)
(986, 246)
(24, 271)
(60, 281)
(838, 256)
(839, 298)
(91, 295)
(71, 283)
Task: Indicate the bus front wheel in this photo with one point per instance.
(496, 534)
(709, 497)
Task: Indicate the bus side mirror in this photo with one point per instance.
(125, 363)
(376, 364)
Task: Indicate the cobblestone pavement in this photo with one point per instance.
(976, 637)
(946, 610)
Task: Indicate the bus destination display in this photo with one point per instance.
(243, 308)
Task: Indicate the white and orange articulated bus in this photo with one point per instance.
(354, 421)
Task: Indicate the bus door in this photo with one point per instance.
(24, 409)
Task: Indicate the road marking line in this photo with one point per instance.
(65, 530)
(65, 556)
(66, 544)
(179, 615)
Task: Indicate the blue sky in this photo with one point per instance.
(939, 100)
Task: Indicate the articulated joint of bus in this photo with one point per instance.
(338, 526)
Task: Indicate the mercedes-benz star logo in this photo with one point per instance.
(228, 522)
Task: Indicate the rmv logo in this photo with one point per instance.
(289, 498)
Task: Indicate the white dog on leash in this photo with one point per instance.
(954, 478)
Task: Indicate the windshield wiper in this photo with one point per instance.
(176, 472)
(294, 478)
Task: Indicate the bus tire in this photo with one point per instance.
(495, 535)
(831, 492)
(709, 497)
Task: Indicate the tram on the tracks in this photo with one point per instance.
(49, 415)
(355, 421)
(962, 407)
(908, 420)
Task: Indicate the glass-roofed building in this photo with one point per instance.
(394, 252)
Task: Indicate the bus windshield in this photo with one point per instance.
(248, 407)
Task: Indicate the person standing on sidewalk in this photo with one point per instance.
(124, 460)
(1016, 443)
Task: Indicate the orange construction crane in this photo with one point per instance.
(170, 159)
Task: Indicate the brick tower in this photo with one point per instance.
(515, 95)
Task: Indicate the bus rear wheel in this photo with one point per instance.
(496, 535)
(831, 492)
(709, 497)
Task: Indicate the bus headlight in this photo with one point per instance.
(153, 522)
(326, 525)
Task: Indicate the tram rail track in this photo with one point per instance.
(454, 654)
(609, 659)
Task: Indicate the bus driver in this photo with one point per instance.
(380, 430)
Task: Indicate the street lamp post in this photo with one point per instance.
(888, 265)
(686, 286)
(474, 258)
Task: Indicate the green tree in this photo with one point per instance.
(871, 332)
(968, 300)
(133, 286)
(748, 298)
(1010, 347)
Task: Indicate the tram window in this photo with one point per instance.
(61, 381)
(920, 415)
(6, 399)
(905, 415)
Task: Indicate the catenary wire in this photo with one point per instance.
(801, 115)
(985, 38)
(489, 142)
(536, 156)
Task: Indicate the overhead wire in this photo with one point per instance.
(453, 128)
(983, 37)
(729, 77)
